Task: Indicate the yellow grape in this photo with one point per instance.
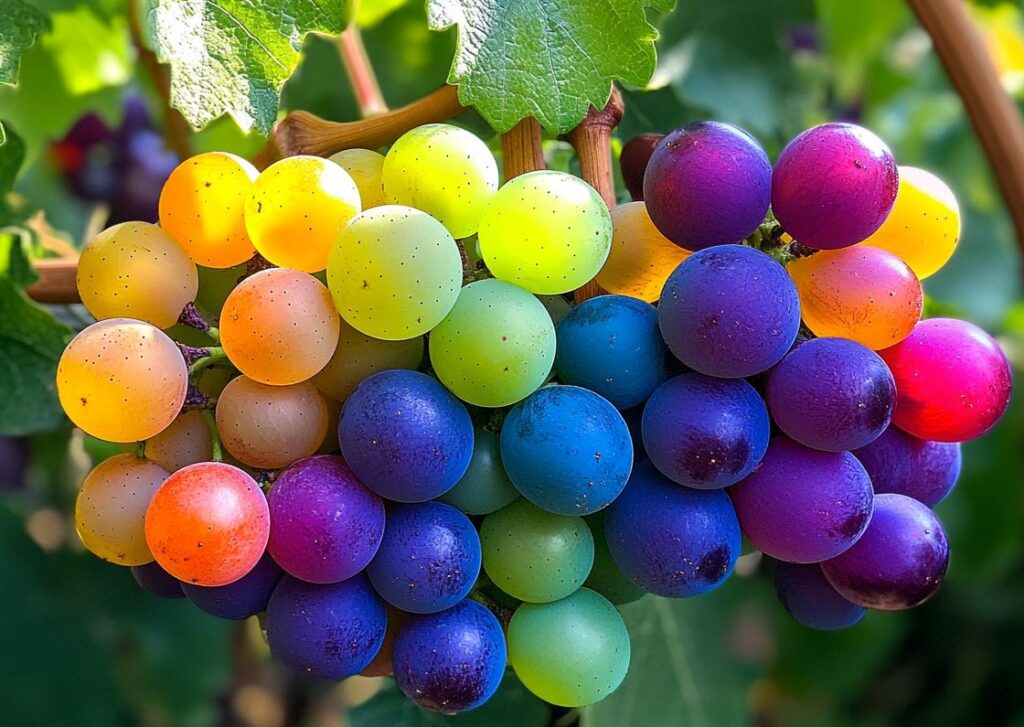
(270, 426)
(202, 206)
(186, 441)
(111, 508)
(297, 207)
(136, 270)
(279, 326)
(366, 168)
(641, 258)
(122, 380)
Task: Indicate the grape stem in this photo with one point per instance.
(191, 317)
(361, 76)
(211, 424)
(214, 355)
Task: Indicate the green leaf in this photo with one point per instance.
(31, 342)
(232, 57)
(551, 59)
(12, 156)
(371, 12)
(21, 24)
(90, 51)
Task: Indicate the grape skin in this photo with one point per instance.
(485, 487)
(366, 168)
(186, 441)
(640, 258)
(901, 463)
(155, 581)
(242, 599)
(811, 600)
(358, 356)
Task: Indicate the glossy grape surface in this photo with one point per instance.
(366, 168)
(186, 441)
(245, 597)
(811, 600)
(633, 160)
(485, 487)
(641, 258)
(155, 581)
(358, 356)
(901, 463)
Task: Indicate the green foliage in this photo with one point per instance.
(21, 23)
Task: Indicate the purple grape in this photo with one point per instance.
(452, 661)
(633, 162)
(325, 525)
(672, 540)
(899, 563)
(245, 597)
(834, 185)
(331, 631)
(143, 168)
(14, 456)
(155, 581)
(803, 505)
(811, 600)
(406, 436)
(832, 394)
(429, 558)
(729, 311)
(707, 184)
(704, 432)
(901, 463)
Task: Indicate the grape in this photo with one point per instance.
(729, 311)
(443, 170)
(111, 508)
(122, 380)
(535, 555)
(405, 436)
(452, 661)
(811, 600)
(571, 652)
(496, 346)
(186, 441)
(672, 540)
(245, 597)
(952, 381)
(366, 168)
(865, 294)
(704, 432)
(279, 326)
(641, 258)
(297, 208)
(611, 345)
(329, 631)
(269, 427)
(358, 356)
(325, 525)
(155, 581)
(899, 563)
(834, 185)
(485, 487)
(606, 577)
(923, 228)
(803, 505)
(548, 232)
(208, 524)
(136, 270)
(429, 559)
(831, 394)
(707, 184)
(633, 160)
(330, 444)
(14, 459)
(202, 206)
(901, 463)
(394, 273)
(567, 450)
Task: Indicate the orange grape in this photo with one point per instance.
(365, 167)
(358, 356)
(186, 441)
(641, 258)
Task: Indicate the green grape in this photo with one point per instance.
(186, 441)
(572, 652)
(546, 231)
(365, 167)
(485, 487)
(606, 577)
(535, 555)
(394, 272)
(359, 356)
(444, 171)
(496, 347)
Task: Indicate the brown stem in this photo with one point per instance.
(56, 282)
(361, 75)
(521, 149)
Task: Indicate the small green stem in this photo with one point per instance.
(215, 355)
(211, 424)
(140, 450)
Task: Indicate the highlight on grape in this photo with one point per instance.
(410, 463)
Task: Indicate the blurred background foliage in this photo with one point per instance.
(81, 645)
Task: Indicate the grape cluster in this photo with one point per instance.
(416, 466)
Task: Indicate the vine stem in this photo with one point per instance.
(361, 75)
(521, 149)
(211, 424)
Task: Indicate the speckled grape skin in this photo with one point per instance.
(611, 345)
(485, 487)
(605, 576)
(641, 258)
(811, 600)
(803, 505)
(729, 311)
(429, 558)
(834, 185)
(245, 597)
(567, 450)
(707, 184)
(953, 381)
(325, 525)
(899, 563)
(405, 436)
(901, 463)
(358, 356)
(670, 540)
(329, 631)
(452, 661)
(155, 581)
(705, 432)
(636, 153)
(186, 441)
(831, 394)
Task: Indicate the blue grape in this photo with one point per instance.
(155, 581)
(903, 464)
(811, 600)
(567, 450)
(245, 597)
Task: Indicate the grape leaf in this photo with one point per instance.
(232, 56)
(551, 59)
(21, 23)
